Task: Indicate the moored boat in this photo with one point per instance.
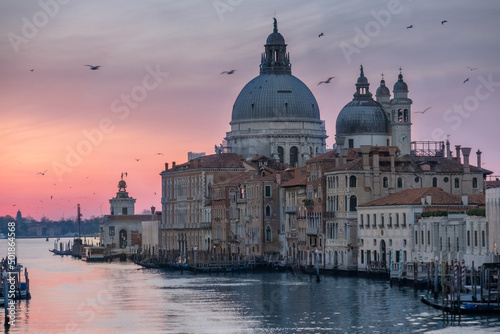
(93, 254)
(465, 308)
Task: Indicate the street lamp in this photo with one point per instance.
(317, 265)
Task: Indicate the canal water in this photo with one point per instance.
(71, 296)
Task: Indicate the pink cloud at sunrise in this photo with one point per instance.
(160, 90)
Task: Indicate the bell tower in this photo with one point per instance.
(401, 116)
(122, 204)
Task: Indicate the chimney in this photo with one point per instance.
(459, 159)
(173, 164)
(466, 153)
(448, 151)
(428, 199)
(422, 200)
(392, 153)
(278, 178)
(365, 151)
(343, 153)
(465, 200)
(166, 165)
(376, 161)
(479, 158)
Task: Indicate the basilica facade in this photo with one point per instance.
(277, 193)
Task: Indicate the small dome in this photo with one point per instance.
(400, 85)
(275, 38)
(362, 116)
(122, 184)
(383, 90)
(362, 80)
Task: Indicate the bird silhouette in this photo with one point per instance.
(137, 159)
(422, 112)
(321, 35)
(159, 153)
(466, 80)
(42, 173)
(32, 70)
(443, 22)
(327, 81)
(228, 72)
(93, 68)
(471, 68)
(409, 27)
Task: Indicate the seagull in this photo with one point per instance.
(228, 72)
(443, 22)
(137, 159)
(32, 70)
(43, 173)
(409, 27)
(466, 80)
(159, 153)
(471, 68)
(50, 196)
(327, 81)
(422, 112)
(92, 67)
(321, 35)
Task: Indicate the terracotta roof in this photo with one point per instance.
(330, 155)
(493, 184)
(130, 217)
(223, 160)
(414, 197)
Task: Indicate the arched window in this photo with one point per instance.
(353, 203)
(268, 211)
(474, 182)
(400, 115)
(280, 154)
(352, 181)
(434, 182)
(269, 234)
(457, 183)
(385, 182)
(405, 116)
(294, 155)
(400, 182)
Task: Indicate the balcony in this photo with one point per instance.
(312, 231)
(234, 239)
(329, 214)
(336, 243)
(346, 214)
(205, 225)
(291, 209)
(292, 234)
(216, 242)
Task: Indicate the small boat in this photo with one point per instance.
(93, 254)
(58, 252)
(466, 307)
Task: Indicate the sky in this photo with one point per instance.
(67, 133)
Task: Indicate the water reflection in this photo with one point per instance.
(71, 296)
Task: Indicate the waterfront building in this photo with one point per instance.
(187, 192)
(493, 217)
(275, 114)
(121, 230)
(419, 225)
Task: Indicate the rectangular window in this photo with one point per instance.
(428, 237)
(475, 238)
(267, 191)
(351, 143)
(416, 237)
(111, 230)
(404, 242)
(468, 238)
(483, 238)
(362, 257)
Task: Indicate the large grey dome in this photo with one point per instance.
(275, 96)
(362, 117)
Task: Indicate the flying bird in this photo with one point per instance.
(159, 153)
(32, 70)
(43, 173)
(466, 80)
(327, 81)
(321, 35)
(422, 112)
(228, 72)
(93, 68)
(409, 27)
(471, 68)
(137, 159)
(443, 22)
